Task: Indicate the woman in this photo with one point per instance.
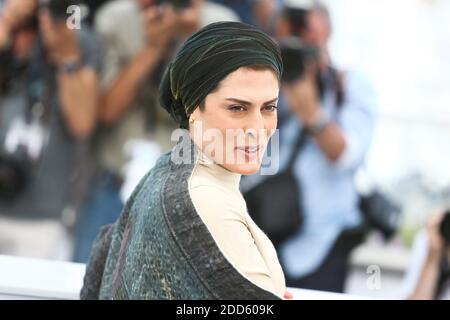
(185, 232)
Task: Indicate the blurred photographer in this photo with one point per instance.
(428, 275)
(139, 37)
(48, 106)
(326, 123)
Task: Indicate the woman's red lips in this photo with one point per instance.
(250, 149)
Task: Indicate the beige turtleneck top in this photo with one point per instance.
(216, 197)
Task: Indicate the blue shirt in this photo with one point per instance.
(329, 196)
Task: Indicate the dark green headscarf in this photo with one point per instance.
(206, 58)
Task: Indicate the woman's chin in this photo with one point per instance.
(246, 169)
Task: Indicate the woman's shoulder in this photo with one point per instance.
(165, 184)
(150, 186)
(150, 180)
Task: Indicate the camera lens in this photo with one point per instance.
(13, 178)
(296, 56)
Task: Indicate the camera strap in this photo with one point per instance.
(40, 83)
(299, 143)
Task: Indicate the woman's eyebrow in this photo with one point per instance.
(271, 101)
(248, 103)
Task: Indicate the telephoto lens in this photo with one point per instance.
(296, 57)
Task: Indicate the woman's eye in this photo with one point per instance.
(270, 108)
(237, 108)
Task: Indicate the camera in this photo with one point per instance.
(296, 57)
(444, 228)
(5, 73)
(297, 17)
(10, 68)
(177, 4)
(24, 136)
(14, 174)
(25, 139)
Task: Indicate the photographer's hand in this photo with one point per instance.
(427, 284)
(118, 98)
(61, 42)
(188, 19)
(304, 101)
(303, 97)
(77, 83)
(160, 26)
(5, 33)
(13, 13)
(17, 11)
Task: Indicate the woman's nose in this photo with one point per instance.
(255, 121)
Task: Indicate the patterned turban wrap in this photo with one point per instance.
(206, 58)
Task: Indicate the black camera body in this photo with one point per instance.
(14, 174)
(21, 148)
(177, 4)
(296, 57)
(9, 68)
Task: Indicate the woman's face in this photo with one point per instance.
(236, 120)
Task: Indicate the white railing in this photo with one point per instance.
(27, 278)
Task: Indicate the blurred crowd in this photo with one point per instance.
(78, 101)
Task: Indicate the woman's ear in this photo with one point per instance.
(196, 115)
(193, 119)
